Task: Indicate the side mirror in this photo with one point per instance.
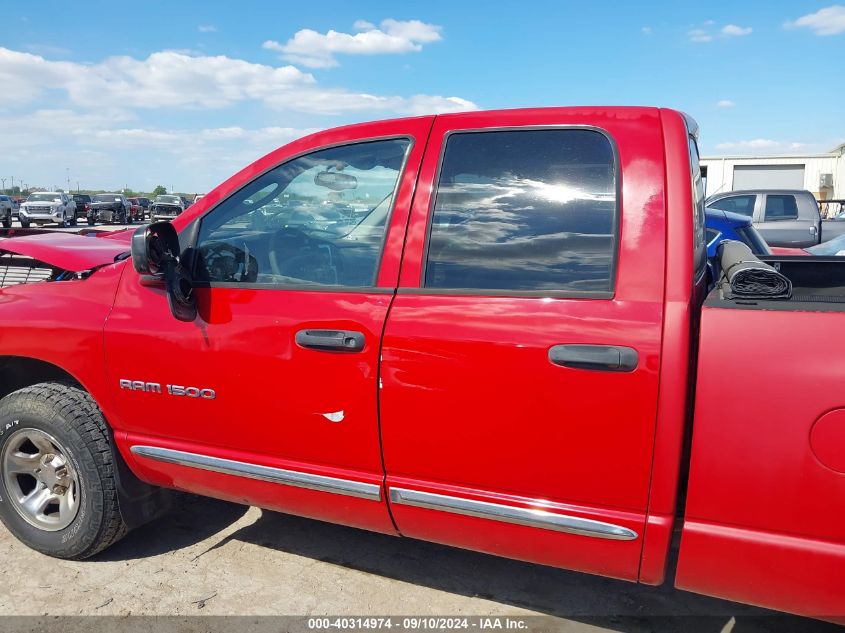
(155, 256)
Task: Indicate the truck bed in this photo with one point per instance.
(818, 283)
(767, 469)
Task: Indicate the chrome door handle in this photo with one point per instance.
(331, 340)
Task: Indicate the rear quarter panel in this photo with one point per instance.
(765, 513)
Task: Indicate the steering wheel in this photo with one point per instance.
(228, 263)
(286, 241)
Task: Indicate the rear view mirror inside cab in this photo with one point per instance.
(335, 181)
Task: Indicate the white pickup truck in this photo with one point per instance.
(44, 207)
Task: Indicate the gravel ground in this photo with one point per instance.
(215, 558)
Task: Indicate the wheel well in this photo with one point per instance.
(139, 502)
(17, 372)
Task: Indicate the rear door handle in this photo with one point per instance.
(331, 340)
(595, 357)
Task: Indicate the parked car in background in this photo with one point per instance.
(784, 217)
(198, 197)
(83, 204)
(145, 204)
(6, 208)
(166, 207)
(136, 210)
(724, 225)
(110, 207)
(43, 207)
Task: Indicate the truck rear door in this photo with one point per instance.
(520, 358)
(785, 221)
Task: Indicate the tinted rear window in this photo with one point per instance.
(524, 210)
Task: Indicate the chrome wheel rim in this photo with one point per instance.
(41, 483)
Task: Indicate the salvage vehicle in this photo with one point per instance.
(166, 207)
(44, 207)
(513, 351)
(6, 207)
(136, 209)
(83, 205)
(784, 217)
(110, 208)
(724, 225)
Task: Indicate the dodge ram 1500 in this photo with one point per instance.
(511, 345)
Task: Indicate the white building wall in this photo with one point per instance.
(720, 171)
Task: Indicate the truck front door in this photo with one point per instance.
(269, 396)
(521, 355)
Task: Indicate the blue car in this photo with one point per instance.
(724, 225)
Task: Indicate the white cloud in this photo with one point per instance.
(770, 146)
(646, 30)
(172, 79)
(708, 31)
(827, 21)
(106, 147)
(732, 30)
(699, 36)
(207, 28)
(318, 50)
(725, 103)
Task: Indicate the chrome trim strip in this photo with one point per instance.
(509, 514)
(261, 473)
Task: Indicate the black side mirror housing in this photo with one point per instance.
(156, 257)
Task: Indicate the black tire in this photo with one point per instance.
(70, 415)
(63, 222)
(24, 224)
(91, 221)
(7, 223)
(73, 220)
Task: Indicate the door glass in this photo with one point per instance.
(527, 210)
(781, 207)
(317, 219)
(743, 205)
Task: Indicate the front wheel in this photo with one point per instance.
(63, 222)
(57, 472)
(24, 224)
(91, 221)
(7, 223)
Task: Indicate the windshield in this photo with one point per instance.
(754, 240)
(836, 246)
(168, 199)
(107, 198)
(44, 197)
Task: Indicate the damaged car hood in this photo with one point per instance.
(70, 251)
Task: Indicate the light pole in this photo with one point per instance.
(3, 180)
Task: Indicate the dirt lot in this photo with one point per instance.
(216, 558)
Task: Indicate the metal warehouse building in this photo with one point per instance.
(823, 174)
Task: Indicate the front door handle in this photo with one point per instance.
(595, 357)
(331, 340)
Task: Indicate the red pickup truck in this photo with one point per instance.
(492, 330)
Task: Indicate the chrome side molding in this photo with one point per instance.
(261, 473)
(530, 517)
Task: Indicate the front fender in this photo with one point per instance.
(61, 323)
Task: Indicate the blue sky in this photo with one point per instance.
(184, 93)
